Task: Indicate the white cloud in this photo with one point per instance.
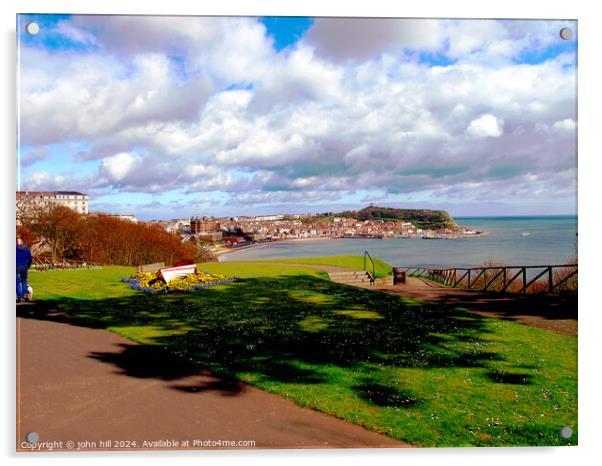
(118, 166)
(364, 38)
(70, 31)
(468, 36)
(35, 155)
(492, 42)
(347, 108)
(90, 98)
(259, 198)
(42, 181)
(201, 170)
(568, 124)
(486, 126)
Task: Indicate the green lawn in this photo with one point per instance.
(426, 374)
(250, 269)
(381, 268)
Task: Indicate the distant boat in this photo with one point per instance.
(525, 233)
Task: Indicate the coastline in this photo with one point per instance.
(222, 251)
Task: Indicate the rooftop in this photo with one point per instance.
(52, 192)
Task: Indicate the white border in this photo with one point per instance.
(425, 8)
(590, 81)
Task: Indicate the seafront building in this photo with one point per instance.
(129, 217)
(29, 201)
(236, 231)
(201, 225)
(208, 228)
(291, 227)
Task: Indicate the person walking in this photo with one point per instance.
(23, 264)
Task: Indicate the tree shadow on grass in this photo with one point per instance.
(385, 396)
(280, 329)
(509, 377)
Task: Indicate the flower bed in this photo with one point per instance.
(151, 283)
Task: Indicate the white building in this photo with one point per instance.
(130, 217)
(269, 218)
(28, 201)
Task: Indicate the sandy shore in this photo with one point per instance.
(222, 251)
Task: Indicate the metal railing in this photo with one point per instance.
(504, 279)
(368, 256)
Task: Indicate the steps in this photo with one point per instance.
(359, 278)
(385, 281)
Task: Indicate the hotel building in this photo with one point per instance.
(27, 201)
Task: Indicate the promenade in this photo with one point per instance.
(88, 386)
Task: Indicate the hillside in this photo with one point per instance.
(422, 218)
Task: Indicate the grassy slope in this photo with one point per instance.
(425, 374)
(382, 269)
(421, 218)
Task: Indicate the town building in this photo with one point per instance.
(269, 218)
(212, 235)
(129, 217)
(203, 225)
(28, 201)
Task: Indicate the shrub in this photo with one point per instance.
(102, 239)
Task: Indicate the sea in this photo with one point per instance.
(549, 240)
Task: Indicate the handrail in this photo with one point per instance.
(367, 254)
(493, 267)
(478, 278)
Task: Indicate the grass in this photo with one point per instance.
(381, 268)
(250, 269)
(422, 373)
(86, 284)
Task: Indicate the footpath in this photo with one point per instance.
(89, 389)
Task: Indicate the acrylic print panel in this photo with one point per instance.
(244, 232)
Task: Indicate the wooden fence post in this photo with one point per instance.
(524, 290)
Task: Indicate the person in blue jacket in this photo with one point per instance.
(23, 264)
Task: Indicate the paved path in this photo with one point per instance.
(82, 384)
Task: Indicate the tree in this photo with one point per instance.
(103, 239)
(60, 227)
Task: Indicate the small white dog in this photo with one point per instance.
(29, 295)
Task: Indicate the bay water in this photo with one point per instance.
(511, 241)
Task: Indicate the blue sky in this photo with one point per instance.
(286, 31)
(168, 117)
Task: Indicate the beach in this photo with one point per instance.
(221, 251)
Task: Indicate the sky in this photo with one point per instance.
(168, 117)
